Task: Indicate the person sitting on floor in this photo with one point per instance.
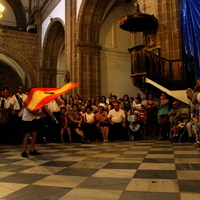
(75, 119)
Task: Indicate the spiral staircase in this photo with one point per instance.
(152, 73)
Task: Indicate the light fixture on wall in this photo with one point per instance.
(2, 8)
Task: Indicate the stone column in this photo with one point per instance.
(168, 37)
(70, 37)
(88, 57)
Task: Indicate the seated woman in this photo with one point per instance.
(75, 119)
(90, 130)
(102, 123)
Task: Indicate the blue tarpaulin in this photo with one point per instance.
(190, 22)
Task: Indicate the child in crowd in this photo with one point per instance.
(64, 125)
(102, 123)
(180, 125)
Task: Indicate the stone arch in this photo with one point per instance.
(89, 20)
(6, 61)
(20, 64)
(53, 40)
(19, 12)
(91, 16)
(6, 73)
(88, 25)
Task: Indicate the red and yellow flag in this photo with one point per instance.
(39, 97)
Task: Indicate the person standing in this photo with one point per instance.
(163, 115)
(6, 108)
(53, 120)
(29, 124)
(117, 119)
(152, 112)
(18, 103)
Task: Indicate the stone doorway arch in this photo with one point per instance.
(9, 77)
(17, 62)
(53, 49)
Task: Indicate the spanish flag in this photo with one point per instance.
(39, 97)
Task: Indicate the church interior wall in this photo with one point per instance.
(96, 46)
(8, 15)
(115, 59)
(58, 12)
(21, 49)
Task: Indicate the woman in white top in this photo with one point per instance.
(137, 106)
(90, 129)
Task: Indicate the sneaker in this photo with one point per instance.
(24, 155)
(34, 153)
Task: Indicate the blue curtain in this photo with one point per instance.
(190, 22)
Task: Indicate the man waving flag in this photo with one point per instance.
(39, 97)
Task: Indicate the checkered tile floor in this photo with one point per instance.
(143, 170)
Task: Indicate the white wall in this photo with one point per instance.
(8, 15)
(78, 5)
(58, 12)
(115, 74)
(115, 59)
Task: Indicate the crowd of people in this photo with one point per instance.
(97, 119)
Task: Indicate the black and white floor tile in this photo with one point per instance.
(142, 170)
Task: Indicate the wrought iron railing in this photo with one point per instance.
(172, 70)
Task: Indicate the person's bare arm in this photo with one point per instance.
(58, 101)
